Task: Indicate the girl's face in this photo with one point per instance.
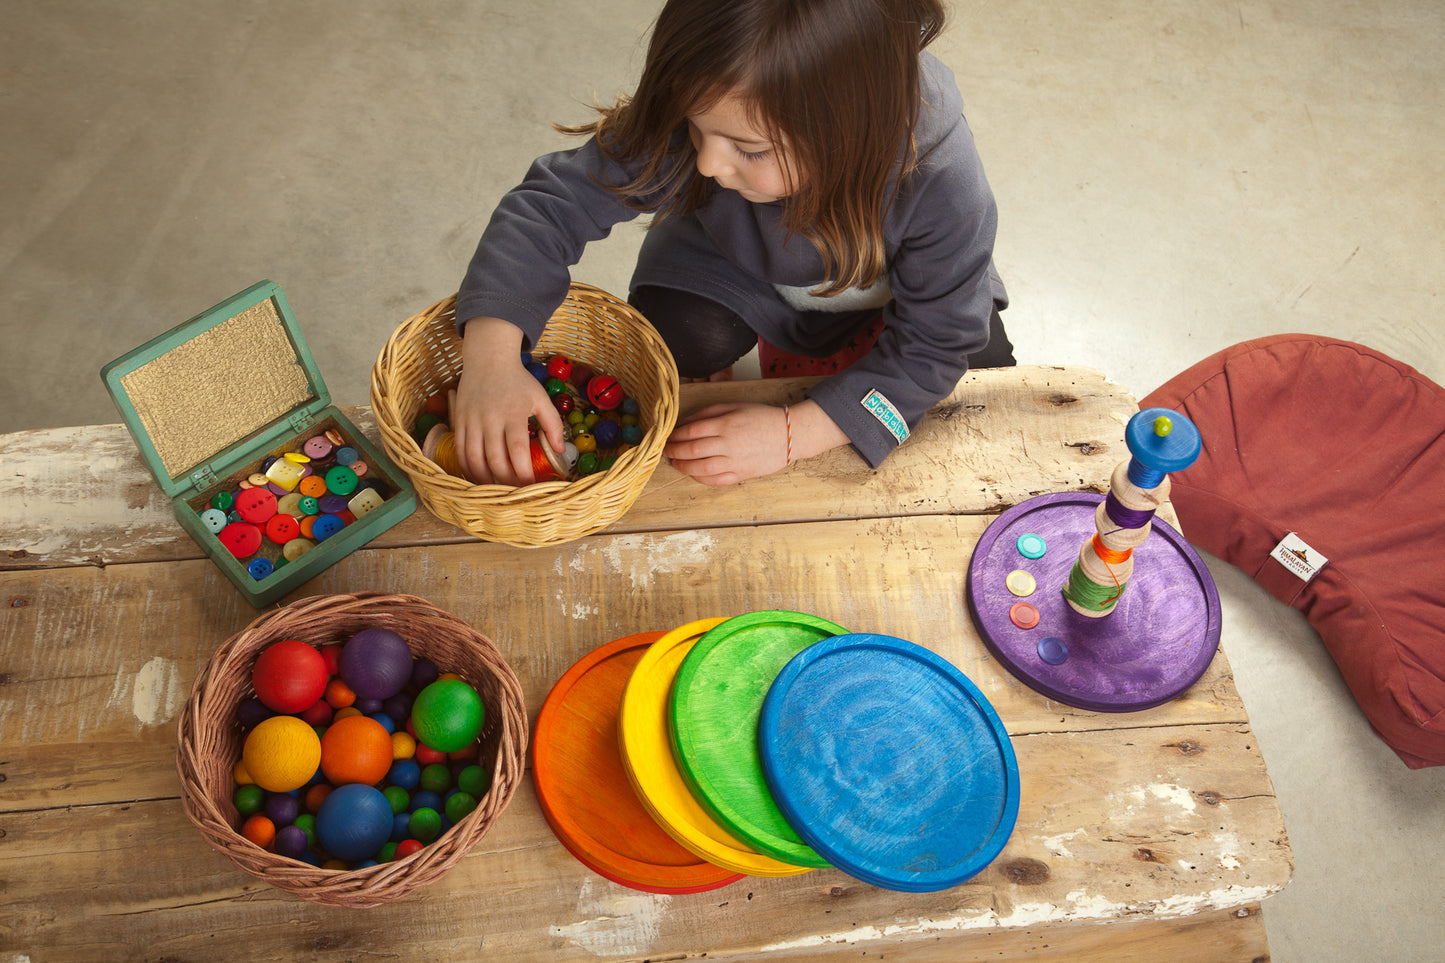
(738, 155)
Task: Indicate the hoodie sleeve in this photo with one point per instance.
(522, 266)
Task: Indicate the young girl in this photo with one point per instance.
(808, 165)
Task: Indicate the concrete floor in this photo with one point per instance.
(1172, 177)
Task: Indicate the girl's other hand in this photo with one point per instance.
(495, 398)
(728, 443)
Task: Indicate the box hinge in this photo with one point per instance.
(300, 420)
(202, 479)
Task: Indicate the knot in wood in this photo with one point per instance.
(19, 601)
(1210, 797)
(1026, 872)
(1188, 747)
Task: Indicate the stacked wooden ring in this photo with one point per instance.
(771, 744)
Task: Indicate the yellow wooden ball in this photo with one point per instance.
(282, 753)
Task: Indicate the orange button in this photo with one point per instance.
(312, 485)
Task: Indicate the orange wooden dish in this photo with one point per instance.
(584, 789)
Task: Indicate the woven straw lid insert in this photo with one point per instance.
(203, 396)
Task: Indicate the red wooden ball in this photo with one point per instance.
(289, 676)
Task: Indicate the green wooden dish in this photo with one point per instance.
(714, 708)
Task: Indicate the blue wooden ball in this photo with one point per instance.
(354, 822)
(405, 773)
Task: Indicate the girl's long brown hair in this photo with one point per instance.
(837, 80)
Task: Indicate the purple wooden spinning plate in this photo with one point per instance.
(1156, 643)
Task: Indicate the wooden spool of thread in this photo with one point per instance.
(1098, 579)
(1115, 538)
(441, 447)
(1138, 488)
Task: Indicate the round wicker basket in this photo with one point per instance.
(424, 357)
(210, 739)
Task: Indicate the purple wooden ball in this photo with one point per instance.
(376, 663)
(282, 808)
(252, 712)
(291, 842)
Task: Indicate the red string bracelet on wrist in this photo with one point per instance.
(788, 422)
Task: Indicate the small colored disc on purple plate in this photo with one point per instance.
(1157, 642)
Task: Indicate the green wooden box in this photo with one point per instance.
(210, 400)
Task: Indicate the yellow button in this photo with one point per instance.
(1021, 583)
(285, 473)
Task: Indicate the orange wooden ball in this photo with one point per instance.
(356, 749)
(339, 694)
(260, 830)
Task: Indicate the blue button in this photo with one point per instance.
(1054, 651)
(260, 568)
(325, 526)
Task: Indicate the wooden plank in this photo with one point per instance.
(82, 496)
(1108, 831)
(97, 662)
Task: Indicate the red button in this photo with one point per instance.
(241, 539)
(255, 505)
(281, 528)
(1024, 615)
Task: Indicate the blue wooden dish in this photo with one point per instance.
(889, 762)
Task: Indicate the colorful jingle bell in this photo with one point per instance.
(605, 392)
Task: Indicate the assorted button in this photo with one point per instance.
(1053, 650)
(292, 502)
(1024, 615)
(1032, 546)
(1021, 583)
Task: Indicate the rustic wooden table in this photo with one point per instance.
(1162, 825)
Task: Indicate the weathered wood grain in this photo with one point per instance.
(97, 662)
(1162, 824)
(1109, 830)
(82, 496)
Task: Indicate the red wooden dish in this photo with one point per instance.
(584, 789)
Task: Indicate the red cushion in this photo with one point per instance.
(1345, 447)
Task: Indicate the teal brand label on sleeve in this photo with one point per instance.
(882, 409)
